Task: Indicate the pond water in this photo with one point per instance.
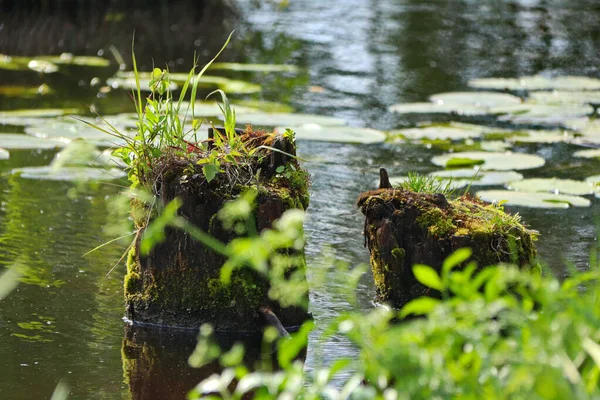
(358, 57)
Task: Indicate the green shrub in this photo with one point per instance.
(500, 333)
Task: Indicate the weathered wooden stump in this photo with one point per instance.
(178, 283)
(403, 228)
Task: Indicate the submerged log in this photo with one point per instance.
(403, 228)
(178, 283)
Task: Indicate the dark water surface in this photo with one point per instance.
(360, 56)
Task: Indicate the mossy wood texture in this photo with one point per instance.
(178, 283)
(404, 228)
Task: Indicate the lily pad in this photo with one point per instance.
(70, 130)
(225, 84)
(17, 141)
(552, 185)
(69, 173)
(433, 108)
(25, 91)
(255, 67)
(462, 103)
(437, 133)
(494, 145)
(130, 84)
(591, 153)
(476, 99)
(477, 177)
(531, 110)
(595, 182)
(262, 105)
(211, 109)
(4, 154)
(537, 136)
(563, 97)
(340, 134)
(499, 161)
(265, 119)
(12, 63)
(70, 59)
(81, 153)
(537, 82)
(38, 112)
(534, 200)
(43, 67)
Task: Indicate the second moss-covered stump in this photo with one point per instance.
(178, 282)
(404, 228)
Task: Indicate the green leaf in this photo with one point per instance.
(428, 276)
(456, 259)
(210, 171)
(155, 232)
(290, 348)
(233, 357)
(420, 306)
(280, 169)
(462, 162)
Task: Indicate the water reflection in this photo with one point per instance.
(360, 56)
(155, 360)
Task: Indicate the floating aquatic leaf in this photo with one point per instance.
(562, 97)
(494, 145)
(437, 133)
(552, 185)
(38, 112)
(43, 67)
(17, 141)
(48, 64)
(433, 108)
(262, 105)
(476, 99)
(12, 63)
(4, 154)
(477, 177)
(130, 84)
(500, 161)
(210, 109)
(591, 153)
(534, 200)
(81, 153)
(70, 59)
(462, 103)
(264, 119)
(25, 91)
(537, 82)
(255, 67)
(67, 129)
(69, 173)
(595, 182)
(533, 110)
(589, 129)
(340, 134)
(537, 136)
(225, 84)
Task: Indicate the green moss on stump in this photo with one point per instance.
(178, 282)
(404, 228)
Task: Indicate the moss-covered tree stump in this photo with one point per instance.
(404, 228)
(178, 283)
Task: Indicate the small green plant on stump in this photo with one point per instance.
(404, 227)
(185, 222)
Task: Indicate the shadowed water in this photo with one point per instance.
(64, 320)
